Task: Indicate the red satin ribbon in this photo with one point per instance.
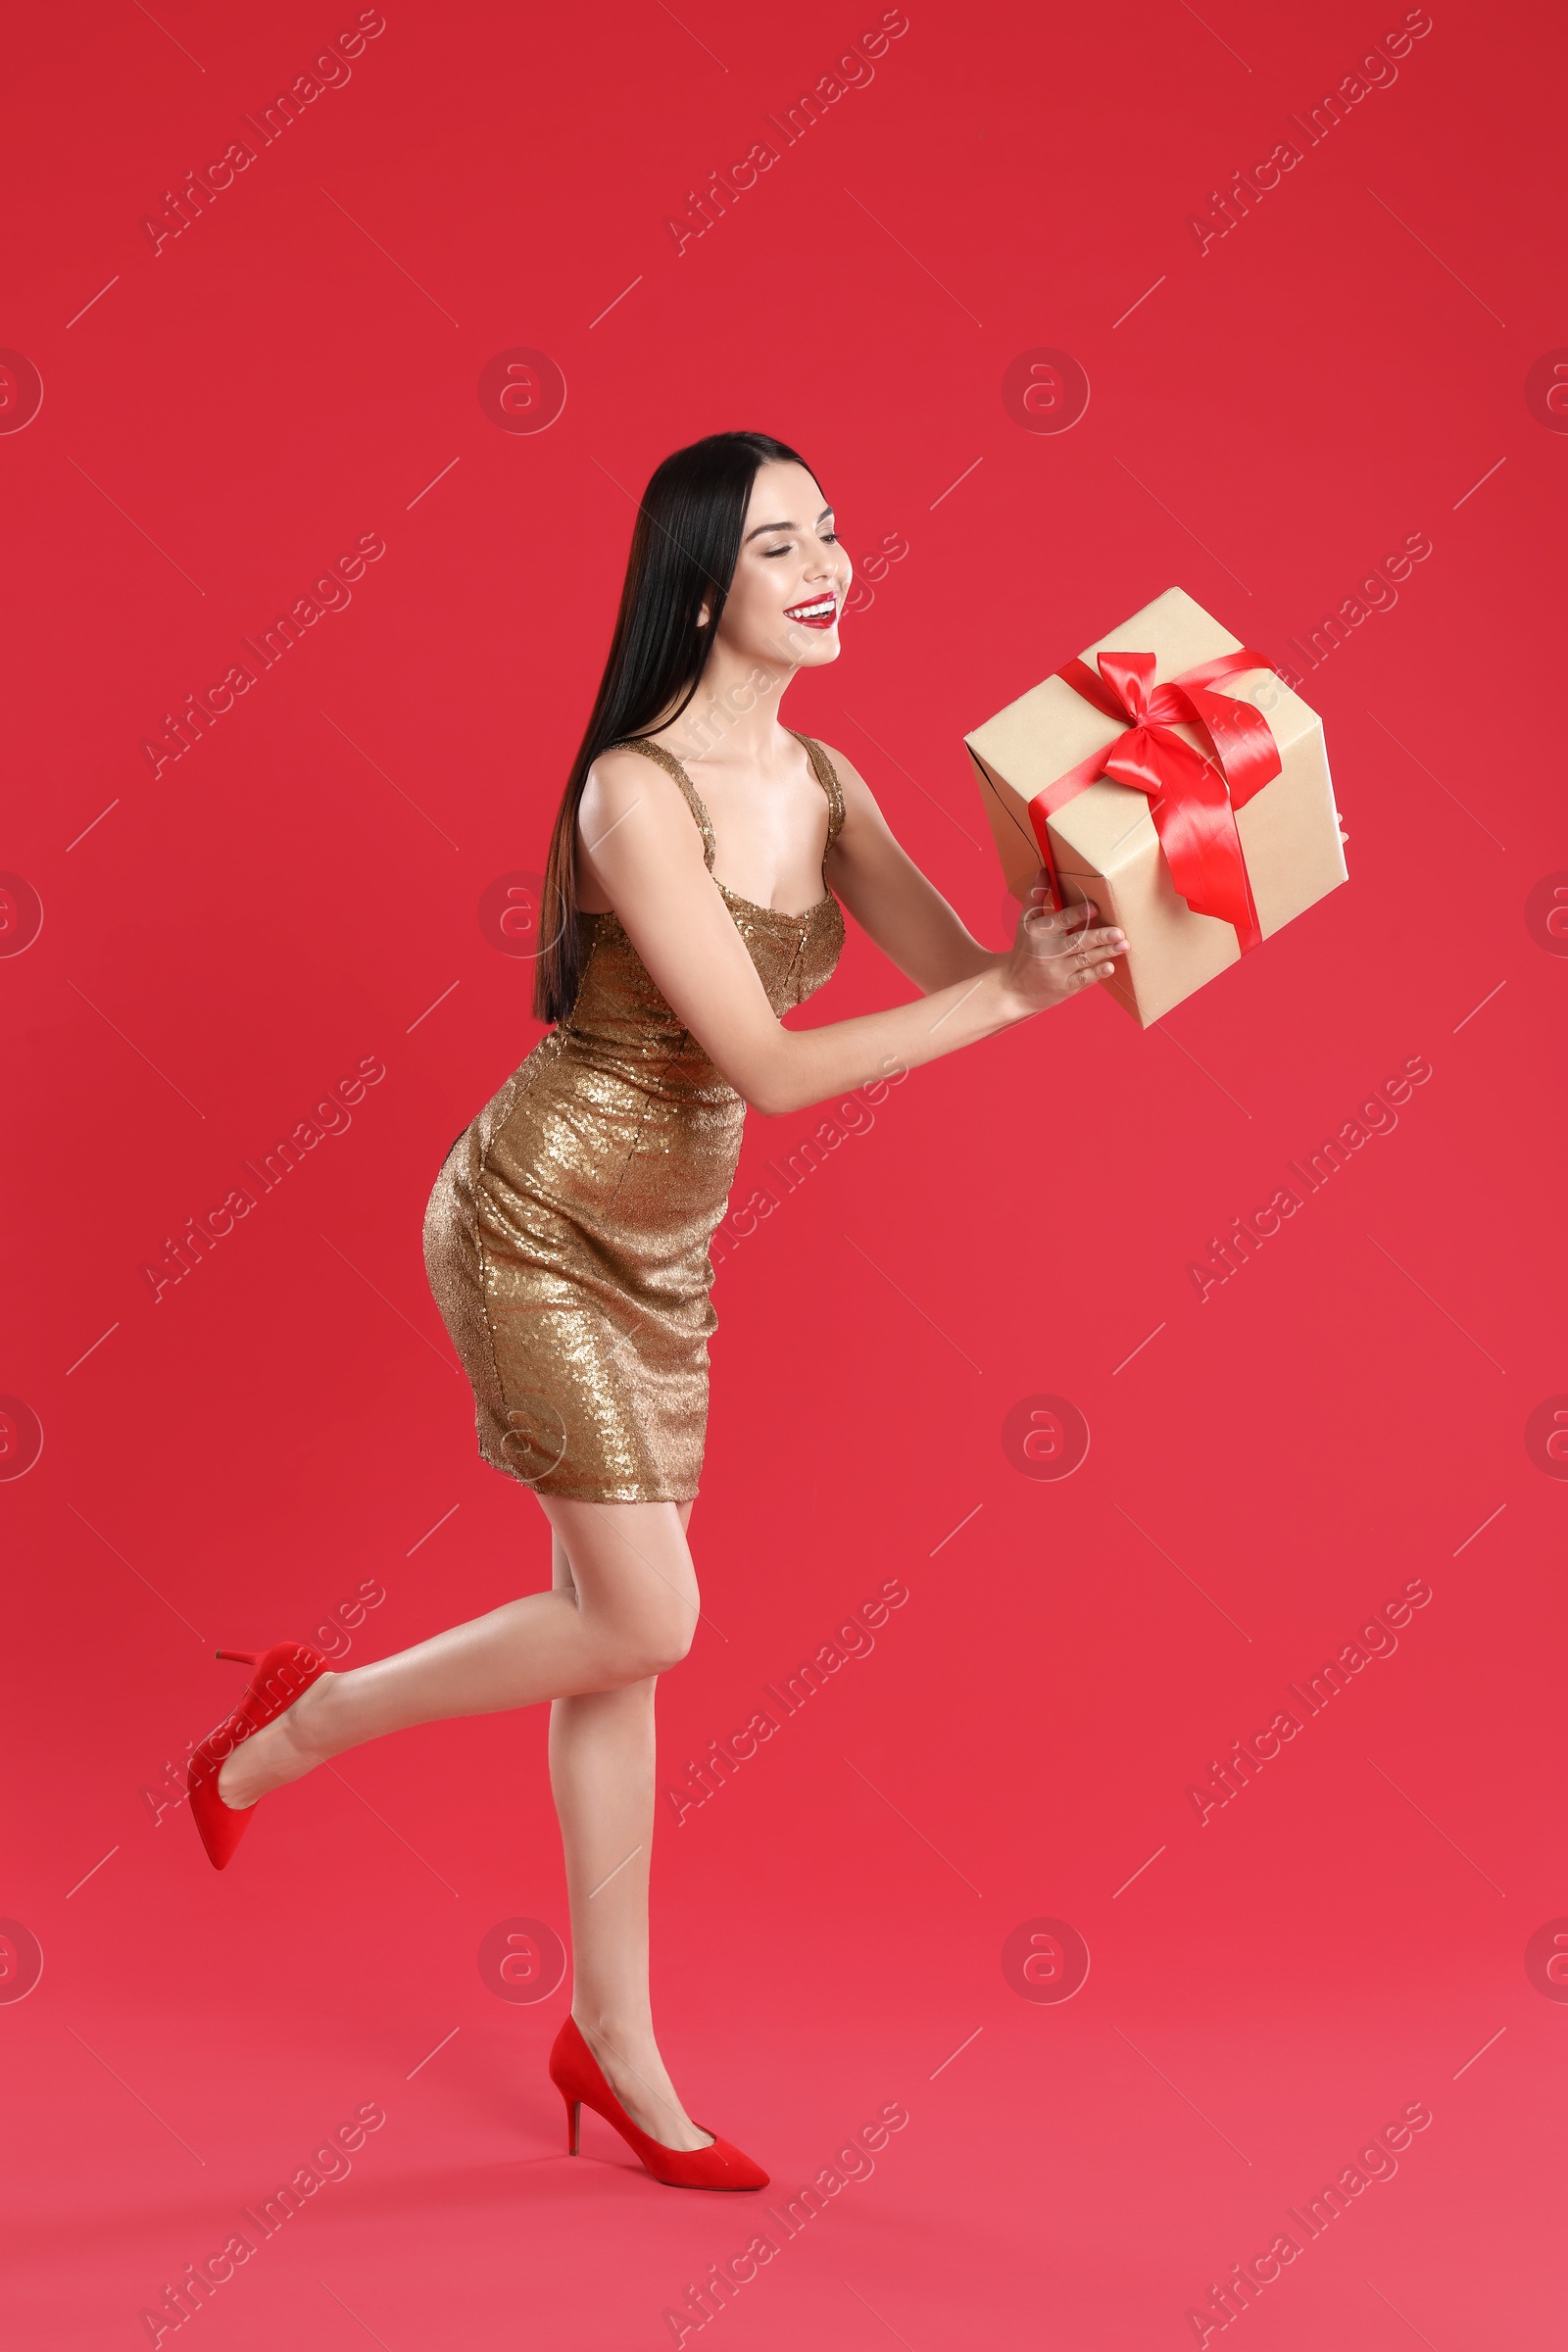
(1193, 799)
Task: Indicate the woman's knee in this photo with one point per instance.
(675, 1641)
(634, 1583)
(653, 1643)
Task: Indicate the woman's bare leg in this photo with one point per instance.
(628, 1613)
(602, 1773)
(622, 1609)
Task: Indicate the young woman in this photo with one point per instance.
(566, 1239)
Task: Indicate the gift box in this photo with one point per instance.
(1170, 775)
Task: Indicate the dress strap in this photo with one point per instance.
(828, 776)
(672, 768)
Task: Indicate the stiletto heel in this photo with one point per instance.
(283, 1673)
(577, 2074)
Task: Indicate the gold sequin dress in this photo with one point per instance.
(566, 1239)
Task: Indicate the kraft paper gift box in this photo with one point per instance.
(1223, 828)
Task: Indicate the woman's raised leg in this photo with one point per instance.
(602, 1773)
(628, 1614)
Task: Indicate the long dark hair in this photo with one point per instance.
(684, 548)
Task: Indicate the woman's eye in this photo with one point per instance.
(771, 552)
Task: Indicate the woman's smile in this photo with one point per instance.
(820, 613)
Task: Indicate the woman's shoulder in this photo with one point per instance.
(842, 762)
(852, 784)
(623, 759)
(622, 773)
(623, 778)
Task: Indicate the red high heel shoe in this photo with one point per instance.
(283, 1672)
(575, 2073)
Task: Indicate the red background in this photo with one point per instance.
(222, 942)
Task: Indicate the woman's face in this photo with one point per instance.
(790, 576)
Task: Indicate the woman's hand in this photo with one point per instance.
(1054, 955)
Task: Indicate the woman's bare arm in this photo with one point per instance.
(894, 902)
(648, 854)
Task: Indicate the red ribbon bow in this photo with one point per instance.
(1193, 799)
